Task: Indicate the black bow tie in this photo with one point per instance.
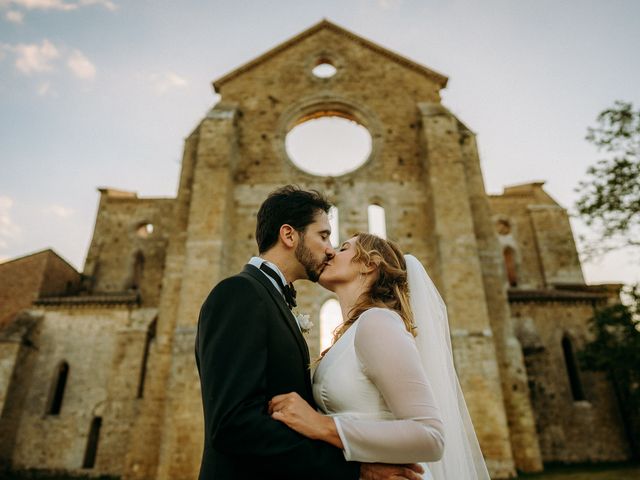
(288, 290)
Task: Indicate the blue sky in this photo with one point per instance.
(102, 92)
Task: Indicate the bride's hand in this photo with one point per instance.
(298, 415)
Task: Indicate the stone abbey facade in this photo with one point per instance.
(97, 374)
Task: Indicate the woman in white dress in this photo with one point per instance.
(387, 387)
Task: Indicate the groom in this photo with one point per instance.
(249, 348)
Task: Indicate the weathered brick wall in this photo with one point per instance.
(19, 284)
(59, 277)
(24, 279)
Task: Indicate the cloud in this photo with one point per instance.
(59, 5)
(111, 6)
(81, 66)
(58, 211)
(163, 82)
(44, 89)
(34, 58)
(44, 57)
(14, 16)
(389, 4)
(8, 229)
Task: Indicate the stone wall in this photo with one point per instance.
(127, 252)
(570, 430)
(533, 224)
(102, 346)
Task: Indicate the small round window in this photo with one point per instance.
(144, 230)
(324, 70)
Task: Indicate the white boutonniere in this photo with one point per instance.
(304, 322)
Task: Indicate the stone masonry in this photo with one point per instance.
(115, 351)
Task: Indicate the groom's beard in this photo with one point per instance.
(312, 266)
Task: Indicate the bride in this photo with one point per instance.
(387, 386)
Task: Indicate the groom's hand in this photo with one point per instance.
(384, 471)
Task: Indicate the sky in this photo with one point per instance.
(98, 93)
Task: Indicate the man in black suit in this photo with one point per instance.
(249, 348)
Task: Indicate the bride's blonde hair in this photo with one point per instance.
(390, 288)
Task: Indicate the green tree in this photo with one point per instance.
(610, 196)
(616, 351)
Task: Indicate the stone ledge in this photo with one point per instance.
(553, 295)
(117, 298)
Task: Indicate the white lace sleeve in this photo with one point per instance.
(391, 361)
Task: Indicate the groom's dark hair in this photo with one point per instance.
(287, 205)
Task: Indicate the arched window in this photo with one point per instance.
(92, 443)
(334, 221)
(151, 335)
(572, 369)
(57, 390)
(510, 264)
(137, 271)
(330, 318)
(377, 221)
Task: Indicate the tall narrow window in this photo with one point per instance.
(572, 369)
(510, 264)
(334, 221)
(377, 221)
(330, 318)
(92, 443)
(138, 270)
(151, 335)
(57, 391)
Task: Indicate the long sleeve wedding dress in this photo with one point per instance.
(374, 385)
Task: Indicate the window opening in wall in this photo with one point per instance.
(334, 221)
(572, 369)
(138, 270)
(144, 230)
(330, 318)
(377, 221)
(510, 264)
(55, 405)
(151, 335)
(92, 443)
(328, 144)
(324, 69)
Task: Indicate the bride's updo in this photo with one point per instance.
(389, 289)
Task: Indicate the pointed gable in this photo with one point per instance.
(436, 77)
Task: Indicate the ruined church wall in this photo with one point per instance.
(540, 234)
(120, 244)
(86, 339)
(569, 430)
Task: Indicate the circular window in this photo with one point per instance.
(324, 70)
(328, 144)
(144, 230)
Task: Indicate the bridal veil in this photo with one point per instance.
(462, 458)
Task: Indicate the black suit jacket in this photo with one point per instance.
(249, 349)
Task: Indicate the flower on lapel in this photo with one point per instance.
(304, 322)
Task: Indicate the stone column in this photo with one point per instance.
(515, 388)
(206, 251)
(462, 287)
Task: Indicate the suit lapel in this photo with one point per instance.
(284, 309)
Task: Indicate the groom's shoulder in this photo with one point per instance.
(241, 281)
